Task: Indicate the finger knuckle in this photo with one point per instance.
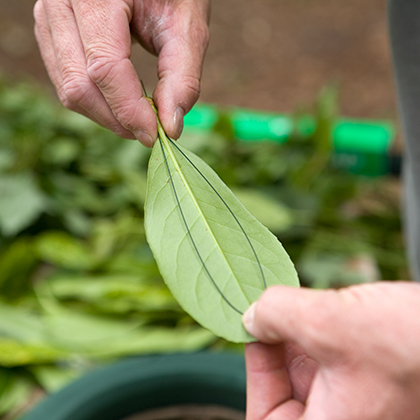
(100, 69)
(265, 315)
(38, 11)
(268, 303)
(324, 326)
(74, 92)
(197, 26)
(204, 35)
(192, 86)
(126, 114)
(119, 130)
(123, 133)
(317, 312)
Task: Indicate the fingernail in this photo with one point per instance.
(179, 121)
(143, 137)
(248, 317)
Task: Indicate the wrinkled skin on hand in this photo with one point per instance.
(86, 47)
(351, 354)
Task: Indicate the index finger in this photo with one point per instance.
(269, 389)
(104, 29)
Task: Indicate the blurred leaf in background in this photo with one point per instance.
(21, 202)
(17, 264)
(15, 390)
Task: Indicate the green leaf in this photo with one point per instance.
(80, 332)
(269, 211)
(129, 156)
(101, 337)
(6, 159)
(23, 338)
(21, 202)
(14, 353)
(161, 340)
(14, 391)
(53, 378)
(21, 324)
(211, 267)
(119, 293)
(135, 182)
(109, 237)
(76, 221)
(17, 262)
(324, 270)
(63, 250)
(62, 151)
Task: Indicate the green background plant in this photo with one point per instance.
(78, 284)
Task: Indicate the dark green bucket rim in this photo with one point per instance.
(145, 383)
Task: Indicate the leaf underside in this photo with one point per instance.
(214, 256)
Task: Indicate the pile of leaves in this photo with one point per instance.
(78, 283)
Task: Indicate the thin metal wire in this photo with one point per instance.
(227, 206)
(190, 235)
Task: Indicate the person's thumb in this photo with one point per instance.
(303, 316)
(180, 65)
(178, 33)
(179, 82)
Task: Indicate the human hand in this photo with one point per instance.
(351, 354)
(86, 47)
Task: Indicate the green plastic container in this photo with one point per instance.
(360, 146)
(144, 383)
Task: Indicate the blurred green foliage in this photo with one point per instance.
(78, 283)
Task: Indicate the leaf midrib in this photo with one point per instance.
(163, 138)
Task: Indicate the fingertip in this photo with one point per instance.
(178, 121)
(143, 137)
(147, 133)
(311, 318)
(248, 319)
(172, 121)
(173, 104)
(268, 319)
